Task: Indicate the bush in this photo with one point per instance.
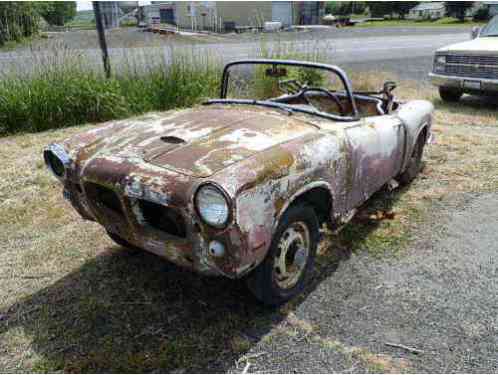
(482, 14)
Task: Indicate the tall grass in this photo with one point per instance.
(61, 91)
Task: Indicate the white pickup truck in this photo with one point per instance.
(469, 67)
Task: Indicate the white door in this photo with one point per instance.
(281, 11)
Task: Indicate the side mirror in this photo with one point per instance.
(476, 30)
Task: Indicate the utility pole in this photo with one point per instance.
(102, 41)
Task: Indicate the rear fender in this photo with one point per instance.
(416, 116)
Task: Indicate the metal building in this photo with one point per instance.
(110, 13)
(229, 15)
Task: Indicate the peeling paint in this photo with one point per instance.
(262, 159)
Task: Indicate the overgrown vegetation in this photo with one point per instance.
(61, 91)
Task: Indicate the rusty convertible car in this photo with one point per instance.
(242, 187)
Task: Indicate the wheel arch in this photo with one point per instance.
(314, 194)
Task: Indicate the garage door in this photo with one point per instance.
(282, 11)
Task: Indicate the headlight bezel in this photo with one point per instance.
(226, 198)
(439, 62)
(55, 150)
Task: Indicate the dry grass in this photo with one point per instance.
(71, 300)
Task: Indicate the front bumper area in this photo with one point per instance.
(457, 82)
(118, 202)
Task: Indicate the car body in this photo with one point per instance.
(469, 67)
(157, 182)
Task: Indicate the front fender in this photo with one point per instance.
(299, 193)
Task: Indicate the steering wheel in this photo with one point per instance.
(290, 86)
(331, 95)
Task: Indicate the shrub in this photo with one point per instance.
(482, 14)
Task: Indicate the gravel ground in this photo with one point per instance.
(132, 37)
(440, 300)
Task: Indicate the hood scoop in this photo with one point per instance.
(171, 139)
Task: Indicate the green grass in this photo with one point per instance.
(60, 94)
(443, 22)
(62, 91)
(12, 45)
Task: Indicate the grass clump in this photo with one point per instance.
(60, 91)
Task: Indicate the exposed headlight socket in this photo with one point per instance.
(57, 160)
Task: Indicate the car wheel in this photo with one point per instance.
(123, 243)
(415, 163)
(450, 95)
(290, 260)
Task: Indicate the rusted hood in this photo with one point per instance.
(202, 141)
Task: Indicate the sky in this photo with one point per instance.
(87, 5)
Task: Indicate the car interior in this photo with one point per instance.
(319, 98)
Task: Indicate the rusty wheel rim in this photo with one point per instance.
(292, 254)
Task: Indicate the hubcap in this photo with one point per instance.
(292, 255)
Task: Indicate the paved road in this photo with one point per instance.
(405, 51)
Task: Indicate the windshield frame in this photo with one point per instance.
(330, 68)
(494, 23)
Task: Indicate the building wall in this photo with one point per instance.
(308, 12)
(426, 14)
(212, 15)
(199, 15)
(110, 14)
(247, 13)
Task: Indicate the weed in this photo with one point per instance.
(60, 91)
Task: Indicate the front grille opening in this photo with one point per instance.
(163, 218)
(103, 196)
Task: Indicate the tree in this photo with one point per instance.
(458, 9)
(403, 7)
(18, 20)
(381, 8)
(58, 12)
(345, 8)
(482, 14)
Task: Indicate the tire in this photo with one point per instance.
(298, 226)
(415, 164)
(123, 243)
(450, 95)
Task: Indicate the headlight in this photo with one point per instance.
(212, 205)
(441, 59)
(57, 160)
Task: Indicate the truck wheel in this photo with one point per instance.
(415, 163)
(290, 260)
(450, 95)
(123, 243)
